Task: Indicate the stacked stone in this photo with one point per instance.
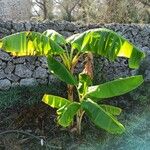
(138, 34)
(63, 27)
(27, 71)
(23, 71)
(31, 71)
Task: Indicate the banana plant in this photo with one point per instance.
(101, 41)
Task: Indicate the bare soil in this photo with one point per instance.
(34, 127)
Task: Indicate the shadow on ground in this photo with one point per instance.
(28, 124)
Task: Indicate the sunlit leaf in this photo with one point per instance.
(106, 43)
(55, 36)
(60, 71)
(116, 87)
(55, 101)
(101, 118)
(68, 114)
(30, 43)
(84, 82)
(111, 109)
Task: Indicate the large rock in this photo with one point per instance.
(22, 71)
(5, 84)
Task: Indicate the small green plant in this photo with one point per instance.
(101, 42)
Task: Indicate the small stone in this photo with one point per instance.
(1, 62)
(12, 77)
(8, 25)
(3, 65)
(4, 31)
(28, 82)
(42, 81)
(30, 66)
(40, 73)
(5, 84)
(18, 26)
(22, 71)
(28, 26)
(2, 74)
(135, 32)
(4, 56)
(133, 72)
(19, 60)
(37, 63)
(147, 75)
(12, 31)
(65, 33)
(15, 84)
(52, 79)
(69, 26)
(31, 59)
(43, 61)
(146, 49)
(9, 68)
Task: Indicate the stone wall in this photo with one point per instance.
(27, 71)
(17, 10)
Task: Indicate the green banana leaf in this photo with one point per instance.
(111, 109)
(106, 43)
(60, 71)
(61, 110)
(30, 43)
(84, 82)
(55, 36)
(55, 101)
(68, 114)
(101, 118)
(115, 87)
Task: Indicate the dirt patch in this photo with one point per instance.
(34, 127)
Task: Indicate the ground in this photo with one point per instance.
(28, 124)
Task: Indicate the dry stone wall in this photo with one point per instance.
(32, 71)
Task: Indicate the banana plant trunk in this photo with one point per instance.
(70, 92)
(79, 120)
(88, 69)
(70, 87)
